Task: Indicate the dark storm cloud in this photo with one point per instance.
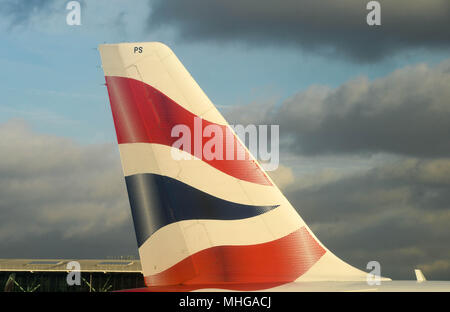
(406, 113)
(396, 213)
(327, 25)
(59, 198)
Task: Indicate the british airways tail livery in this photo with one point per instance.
(202, 223)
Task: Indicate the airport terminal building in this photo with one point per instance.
(50, 275)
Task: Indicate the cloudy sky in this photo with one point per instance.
(364, 115)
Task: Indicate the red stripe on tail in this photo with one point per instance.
(232, 267)
(144, 114)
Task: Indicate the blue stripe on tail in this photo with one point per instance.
(157, 201)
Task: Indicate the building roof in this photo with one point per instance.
(61, 265)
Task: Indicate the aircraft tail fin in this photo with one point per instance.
(201, 220)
